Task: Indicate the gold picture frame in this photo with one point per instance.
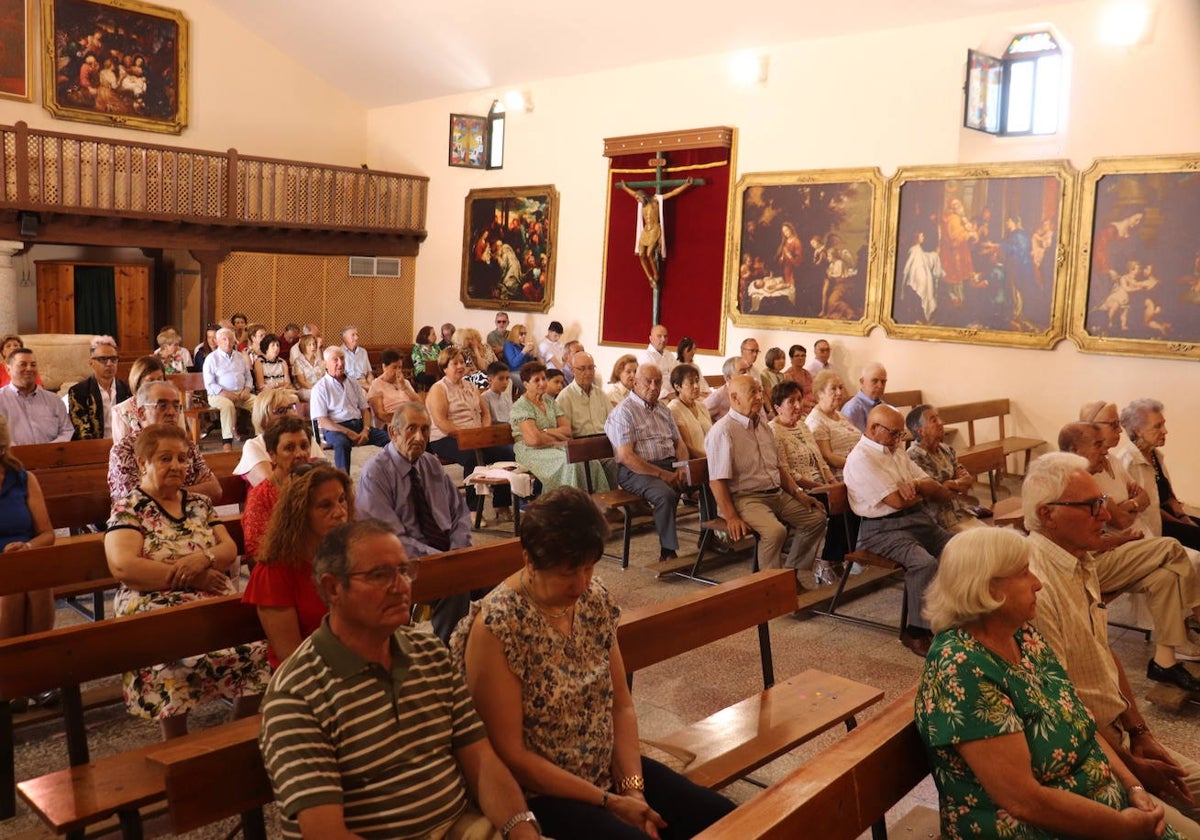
(501, 225)
(121, 63)
(16, 50)
(803, 250)
(1138, 211)
(979, 254)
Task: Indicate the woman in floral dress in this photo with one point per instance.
(1015, 753)
(545, 671)
(167, 547)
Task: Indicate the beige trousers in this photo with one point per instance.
(1159, 568)
(771, 515)
(228, 409)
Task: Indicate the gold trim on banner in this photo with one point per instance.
(691, 167)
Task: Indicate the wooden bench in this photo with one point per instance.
(998, 409)
(189, 384)
(583, 450)
(846, 790)
(904, 399)
(715, 380)
(988, 459)
(218, 772)
(72, 453)
(696, 475)
(477, 440)
(91, 478)
(737, 740)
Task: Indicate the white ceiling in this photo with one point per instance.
(389, 52)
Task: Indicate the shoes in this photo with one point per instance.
(1176, 675)
(827, 573)
(19, 705)
(919, 644)
(49, 699)
(1189, 651)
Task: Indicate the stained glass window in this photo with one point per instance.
(1019, 94)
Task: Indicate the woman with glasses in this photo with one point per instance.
(167, 547)
(255, 463)
(288, 441)
(314, 500)
(544, 668)
(308, 367)
(125, 419)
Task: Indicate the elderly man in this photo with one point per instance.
(647, 444)
(717, 402)
(889, 492)
(1157, 567)
(90, 401)
(752, 489)
(358, 365)
(368, 730)
(657, 354)
(406, 487)
(938, 459)
(157, 403)
(820, 359)
(750, 351)
(342, 411)
(309, 329)
(587, 406)
(498, 336)
(229, 384)
(1065, 514)
(570, 348)
(871, 386)
(34, 414)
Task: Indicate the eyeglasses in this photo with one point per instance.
(1094, 506)
(895, 433)
(754, 350)
(163, 405)
(284, 409)
(384, 576)
(106, 360)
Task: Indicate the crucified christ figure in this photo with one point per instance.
(649, 245)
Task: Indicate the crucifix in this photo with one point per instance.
(651, 248)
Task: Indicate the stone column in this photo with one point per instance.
(8, 285)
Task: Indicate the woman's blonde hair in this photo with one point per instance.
(961, 591)
(266, 402)
(824, 380)
(469, 336)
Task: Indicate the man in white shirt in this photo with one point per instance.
(342, 411)
(750, 352)
(889, 491)
(587, 406)
(358, 365)
(820, 359)
(657, 354)
(227, 380)
(34, 414)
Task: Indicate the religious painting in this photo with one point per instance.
(116, 62)
(1137, 279)
(510, 236)
(468, 141)
(978, 254)
(16, 49)
(804, 250)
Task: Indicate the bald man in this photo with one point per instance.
(657, 354)
(871, 386)
(888, 491)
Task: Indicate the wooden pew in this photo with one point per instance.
(477, 440)
(987, 459)
(903, 399)
(696, 472)
(73, 453)
(737, 740)
(72, 481)
(996, 410)
(583, 450)
(69, 800)
(844, 791)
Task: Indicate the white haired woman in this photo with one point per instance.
(1014, 751)
(1146, 427)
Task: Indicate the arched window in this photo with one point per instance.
(1019, 94)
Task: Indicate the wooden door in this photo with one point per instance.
(133, 309)
(56, 297)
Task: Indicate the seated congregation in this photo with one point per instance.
(514, 717)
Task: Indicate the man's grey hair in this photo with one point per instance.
(347, 328)
(871, 367)
(397, 422)
(333, 554)
(1046, 481)
(226, 331)
(730, 366)
(101, 341)
(1136, 415)
(333, 350)
(143, 394)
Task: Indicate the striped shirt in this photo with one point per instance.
(650, 429)
(338, 729)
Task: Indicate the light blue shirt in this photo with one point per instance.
(225, 372)
(39, 417)
(339, 401)
(358, 364)
(857, 408)
(385, 493)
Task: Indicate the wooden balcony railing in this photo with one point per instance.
(45, 171)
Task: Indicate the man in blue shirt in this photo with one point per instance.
(871, 386)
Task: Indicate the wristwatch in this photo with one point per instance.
(517, 819)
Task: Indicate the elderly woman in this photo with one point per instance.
(288, 442)
(931, 453)
(1130, 505)
(390, 389)
(24, 524)
(167, 547)
(540, 428)
(691, 417)
(545, 671)
(620, 384)
(255, 463)
(270, 370)
(1013, 748)
(834, 433)
(124, 417)
(1146, 427)
(424, 350)
(478, 355)
(308, 367)
(454, 403)
(312, 502)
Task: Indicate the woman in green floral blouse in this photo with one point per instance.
(1014, 751)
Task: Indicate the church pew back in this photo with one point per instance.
(72, 453)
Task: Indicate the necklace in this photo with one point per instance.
(560, 614)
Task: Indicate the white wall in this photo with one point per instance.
(885, 99)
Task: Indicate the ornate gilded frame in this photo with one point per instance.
(20, 12)
(976, 285)
(487, 216)
(794, 292)
(1159, 305)
(130, 26)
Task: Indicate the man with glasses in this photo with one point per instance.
(871, 386)
(34, 414)
(587, 406)
(406, 487)
(1065, 513)
(820, 360)
(750, 352)
(157, 403)
(889, 492)
(368, 730)
(1129, 560)
(90, 402)
(497, 337)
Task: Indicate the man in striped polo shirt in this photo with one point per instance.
(368, 731)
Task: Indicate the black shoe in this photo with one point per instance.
(918, 643)
(49, 699)
(1176, 675)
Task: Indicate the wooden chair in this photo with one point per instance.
(193, 410)
(597, 448)
(996, 410)
(985, 459)
(696, 471)
(715, 380)
(477, 440)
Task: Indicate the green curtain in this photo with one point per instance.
(95, 300)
